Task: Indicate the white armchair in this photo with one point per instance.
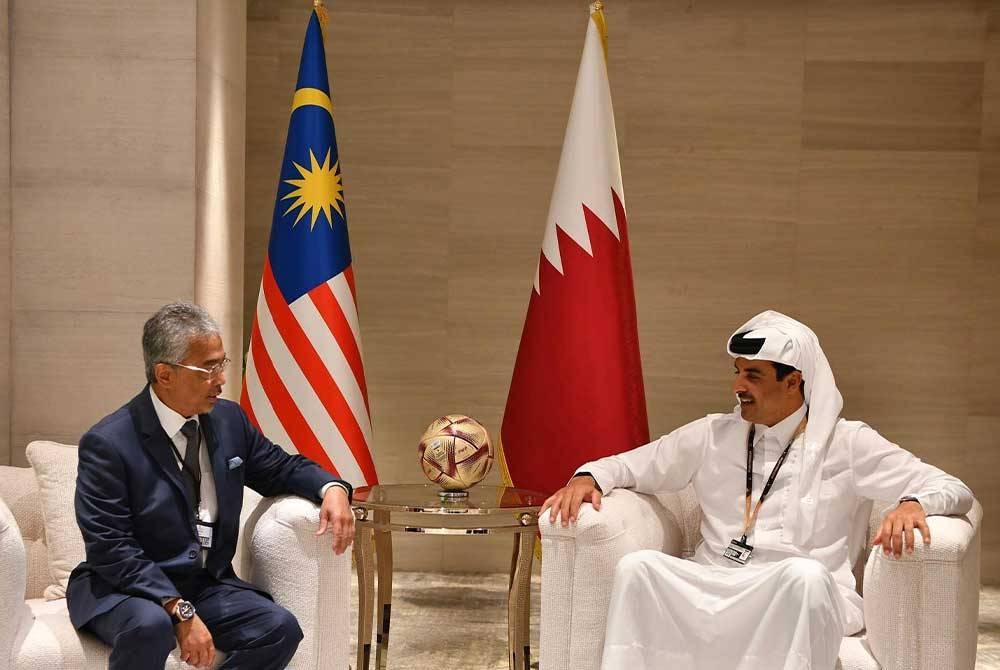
(921, 610)
(278, 551)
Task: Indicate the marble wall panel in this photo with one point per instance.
(121, 249)
(116, 32)
(713, 75)
(886, 245)
(72, 368)
(5, 236)
(906, 106)
(102, 174)
(903, 31)
(984, 357)
(514, 61)
(990, 132)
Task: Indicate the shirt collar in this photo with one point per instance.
(171, 421)
(784, 429)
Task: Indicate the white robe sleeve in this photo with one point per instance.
(885, 471)
(664, 465)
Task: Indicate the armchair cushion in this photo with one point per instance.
(55, 471)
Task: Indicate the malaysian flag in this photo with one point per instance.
(304, 385)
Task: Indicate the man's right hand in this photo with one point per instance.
(565, 503)
(195, 642)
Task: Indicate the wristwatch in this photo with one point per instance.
(183, 611)
(908, 499)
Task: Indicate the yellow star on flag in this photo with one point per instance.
(319, 190)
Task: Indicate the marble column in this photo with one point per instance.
(219, 172)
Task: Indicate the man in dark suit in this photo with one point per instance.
(158, 496)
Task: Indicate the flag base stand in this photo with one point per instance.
(453, 495)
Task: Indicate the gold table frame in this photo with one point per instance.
(416, 508)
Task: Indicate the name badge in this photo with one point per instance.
(206, 532)
(738, 551)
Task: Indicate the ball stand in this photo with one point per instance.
(452, 496)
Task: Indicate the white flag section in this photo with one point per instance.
(589, 167)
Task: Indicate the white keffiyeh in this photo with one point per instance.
(793, 343)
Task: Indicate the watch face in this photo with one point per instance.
(185, 610)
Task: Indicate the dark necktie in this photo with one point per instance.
(192, 461)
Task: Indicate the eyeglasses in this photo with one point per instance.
(212, 372)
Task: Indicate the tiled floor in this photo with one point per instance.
(459, 621)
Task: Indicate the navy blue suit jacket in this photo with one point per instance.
(134, 512)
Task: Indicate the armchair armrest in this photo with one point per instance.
(303, 575)
(578, 565)
(921, 610)
(13, 566)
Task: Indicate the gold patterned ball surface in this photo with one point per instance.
(455, 452)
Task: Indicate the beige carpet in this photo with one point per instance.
(460, 621)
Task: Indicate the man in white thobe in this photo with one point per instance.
(770, 586)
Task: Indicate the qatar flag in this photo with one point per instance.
(577, 393)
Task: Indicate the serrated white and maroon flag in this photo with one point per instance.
(577, 392)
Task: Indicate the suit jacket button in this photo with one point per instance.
(192, 554)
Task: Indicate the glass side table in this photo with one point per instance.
(417, 508)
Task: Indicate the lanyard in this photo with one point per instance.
(749, 520)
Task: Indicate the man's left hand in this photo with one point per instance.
(897, 527)
(336, 515)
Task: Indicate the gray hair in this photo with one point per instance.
(168, 333)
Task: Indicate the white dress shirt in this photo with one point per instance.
(172, 422)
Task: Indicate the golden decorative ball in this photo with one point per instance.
(455, 452)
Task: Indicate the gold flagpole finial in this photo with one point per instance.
(597, 16)
(321, 12)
